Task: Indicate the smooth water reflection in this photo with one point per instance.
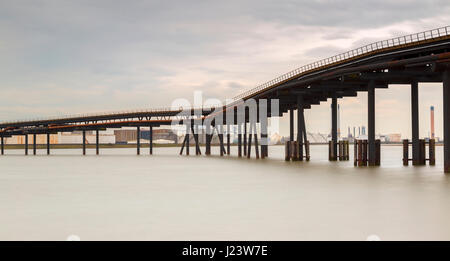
(121, 196)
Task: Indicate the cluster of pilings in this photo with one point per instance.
(84, 142)
(361, 153)
(342, 149)
(421, 158)
(292, 151)
(245, 139)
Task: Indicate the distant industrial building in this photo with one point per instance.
(160, 136)
(75, 137)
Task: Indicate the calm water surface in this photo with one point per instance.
(121, 196)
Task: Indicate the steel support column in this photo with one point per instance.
(138, 140)
(2, 145)
(299, 126)
(371, 123)
(446, 96)
(334, 136)
(239, 140)
(228, 139)
(187, 139)
(26, 144)
(151, 139)
(415, 123)
(245, 138)
(264, 138)
(97, 150)
(34, 143)
(48, 143)
(291, 124)
(84, 142)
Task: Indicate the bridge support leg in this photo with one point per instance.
(34, 144)
(371, 124)
(187, 139)
(305, 137)
(245, 138)
(256, 141)
(97, 149)
(2, 145)
(249, 141)
(182, 145)
(239, 140)
(138, 140)
(291, 125)
(300, 121)
(415, 122)
(195, 134)
(48, 143)
(446, 95)
(208, 140)
(263, 122)
(151, 140)
(228, 140)
(26, 144)
(221, 143)
(84, 142)
(334, 136)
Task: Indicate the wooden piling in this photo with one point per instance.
(294, 150)
(307, 150)
(287, 151)
(405, 152)
(360, 153)
(365, 147)
(432, 152)
(377, 152)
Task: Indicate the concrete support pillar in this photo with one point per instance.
(415, 122)
(48, 143)
(151, 140)
(371, 123)
(34, 144)
(138, 140)
(446, 95)
(334, 136)
(84, 142)
(97, 149)
(26, 144)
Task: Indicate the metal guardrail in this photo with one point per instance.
(111, 113)
(376, 46)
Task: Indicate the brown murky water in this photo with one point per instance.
(121, 196)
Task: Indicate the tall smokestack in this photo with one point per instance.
(432, 121)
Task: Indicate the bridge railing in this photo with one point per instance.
(110, 113)
(384, 44)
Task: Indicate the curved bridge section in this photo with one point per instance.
(410, 59)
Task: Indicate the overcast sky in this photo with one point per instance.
(65, 57)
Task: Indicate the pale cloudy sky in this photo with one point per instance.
(65, 57)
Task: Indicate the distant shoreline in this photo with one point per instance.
(144, 145)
